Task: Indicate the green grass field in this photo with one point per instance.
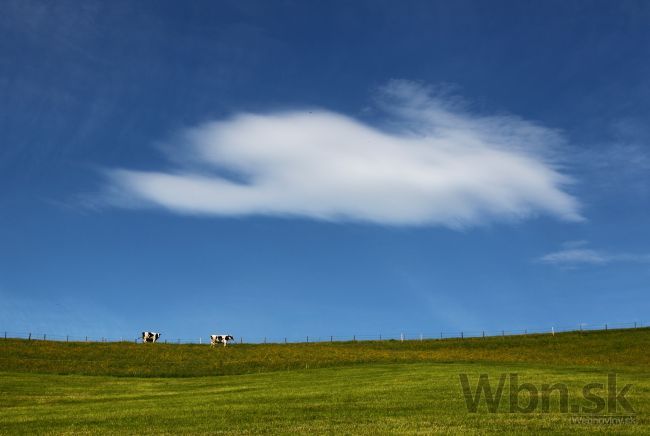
(349, 388)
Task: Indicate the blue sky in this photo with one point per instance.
(314, 168)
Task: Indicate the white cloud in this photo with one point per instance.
(571, 256)
(575, 256)
(437, 165)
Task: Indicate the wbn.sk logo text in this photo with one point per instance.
(596, 397)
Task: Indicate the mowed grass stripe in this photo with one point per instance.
(601, 349)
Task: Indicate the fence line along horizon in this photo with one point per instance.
(402, 336)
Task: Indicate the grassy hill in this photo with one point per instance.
(420, 398)
(603, 349)
(339, 388)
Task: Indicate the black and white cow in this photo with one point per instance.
(150, 336)
(220, 339)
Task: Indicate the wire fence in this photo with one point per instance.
(402, 336)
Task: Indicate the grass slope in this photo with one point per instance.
(364, 399)
(349, 388)
(604, 349)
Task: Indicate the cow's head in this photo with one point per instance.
(157, 335)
